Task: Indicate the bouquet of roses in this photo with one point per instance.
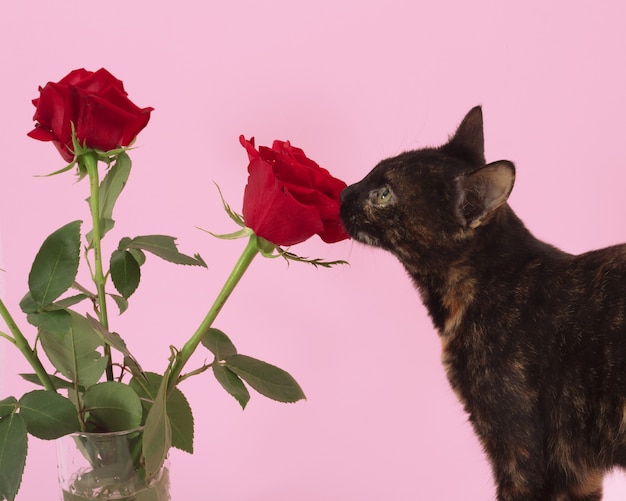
(89, 381)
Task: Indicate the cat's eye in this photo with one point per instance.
(384, 195)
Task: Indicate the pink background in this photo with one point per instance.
(351, 82)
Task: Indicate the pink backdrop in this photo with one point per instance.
(350, 82)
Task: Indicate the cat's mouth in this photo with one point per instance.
(357, 234)
(366, 238)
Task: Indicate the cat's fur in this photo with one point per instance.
(534, 338)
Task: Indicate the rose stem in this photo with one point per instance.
(20, 341)
(190, 346)
(90, 161)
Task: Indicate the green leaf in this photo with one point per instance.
(59, 384)
(135, 369)
(121, 302)
(124, 243)
(48, 415)
(125, 272)
(178, 409)
(28, 304)
(219, 344)
(157, 432)
(70, 301)
(139, 255)
(7, 406)
(84, 291)
(112, 406)
(164, 247)
(181, 421)
(111, 187)
(74, 353)
(265, 378)
(55, 265)
(114, 340)
(56, 321)
(109, 191)
(13, 448)
(105, 226)
(232, 384)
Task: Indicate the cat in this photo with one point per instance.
(533, 338)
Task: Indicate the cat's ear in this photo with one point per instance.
(482, 191)
(468, 141)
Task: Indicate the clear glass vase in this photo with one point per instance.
(107, 466)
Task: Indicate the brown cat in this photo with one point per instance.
(534, 338)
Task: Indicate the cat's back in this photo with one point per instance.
(529, 285)
(577, 285)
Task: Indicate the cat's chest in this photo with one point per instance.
(490, 369)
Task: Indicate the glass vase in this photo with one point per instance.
(107, 466)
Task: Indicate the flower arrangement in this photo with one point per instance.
(89, 380)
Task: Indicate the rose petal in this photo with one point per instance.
(308, 188)
(249, 146)
(98, 106)
(74, 77)
(273, 213)
(100, 82)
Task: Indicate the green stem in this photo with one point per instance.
(7, 337)
(90, 161)
(22, 344)
(233, 279)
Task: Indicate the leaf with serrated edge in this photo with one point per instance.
(110, 189)
(55, 265)
(122, 303)
(125, 272)
(139, 256)
(265, 378)
(157, 433)
(74, 354)
(28, 304)
(219, 344)
(113, 339)
(178, 410)
(59, 384)
(83, 290)
(113, 184)
(48, 415)
(57, 321)
(7, 406)
(232, 384)
(68, 301)
(113, 406)
(164, 247)
(13, 449)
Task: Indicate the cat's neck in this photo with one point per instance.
(449, 282)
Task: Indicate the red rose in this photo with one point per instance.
(97, 105)
(290, 198)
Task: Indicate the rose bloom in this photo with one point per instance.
(290, 198)
(96, 103)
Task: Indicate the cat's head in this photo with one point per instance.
(430, 200)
